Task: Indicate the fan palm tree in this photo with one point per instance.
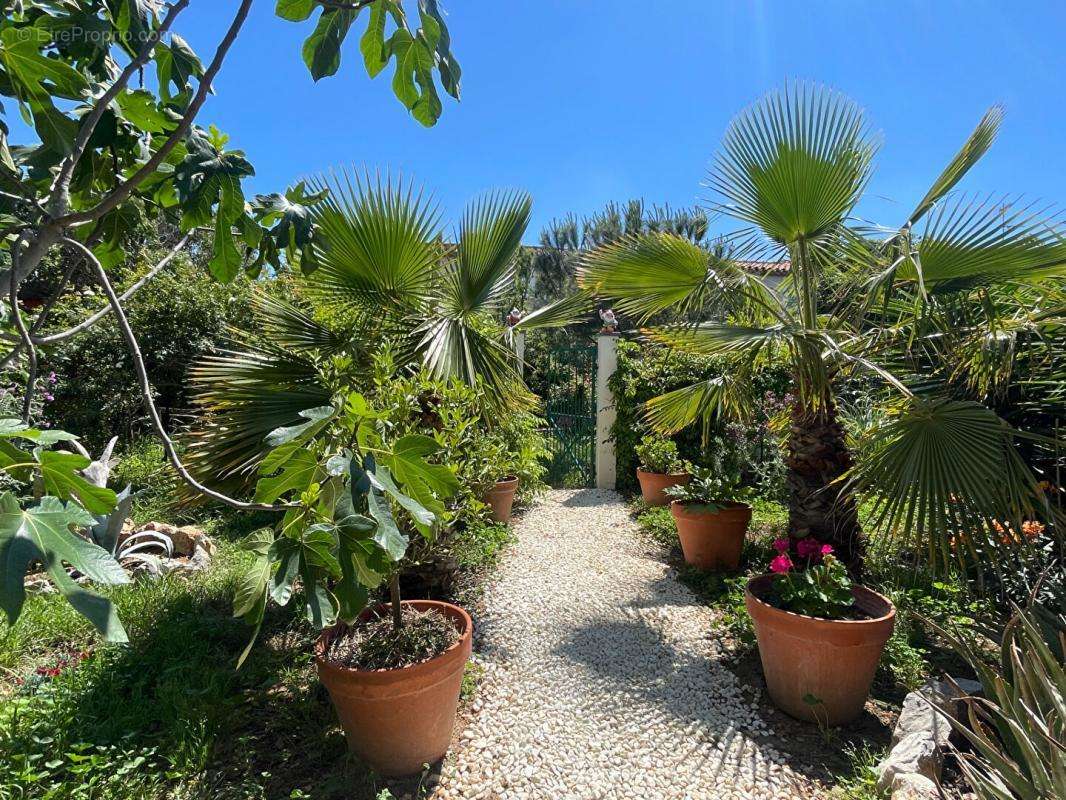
(384, 276)
(791, 170)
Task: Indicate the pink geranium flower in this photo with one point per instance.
(808, 547)
(781, 545)
(781, 563)
(827, 549)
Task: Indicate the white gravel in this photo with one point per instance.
(603, 678)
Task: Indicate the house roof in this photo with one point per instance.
(766, 267)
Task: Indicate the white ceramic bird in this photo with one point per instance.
(610, 321)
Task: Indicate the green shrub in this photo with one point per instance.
(656, 453)
(483, 447)
(645, 372)
(177, 316)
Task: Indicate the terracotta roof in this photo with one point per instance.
(766, 267)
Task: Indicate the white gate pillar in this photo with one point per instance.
(606, 363)
(520, 351)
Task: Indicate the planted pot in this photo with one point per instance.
(711, 539)
(396, 720)
(819, 670)
(653, 485)
(501, 498)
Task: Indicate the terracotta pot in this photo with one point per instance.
(711, 539)
(501, 498)
(654, 484)
(828, 660)
(396, 720)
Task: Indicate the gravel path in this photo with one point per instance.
(602, 676)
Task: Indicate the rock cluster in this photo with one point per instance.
(162, 548)
(604, 677)
(911, 769)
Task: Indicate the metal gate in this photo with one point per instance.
(570, 407)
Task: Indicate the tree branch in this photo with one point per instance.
(27, 342)
(126, 188)
(146, 392)
(58, 202)
(88, 322)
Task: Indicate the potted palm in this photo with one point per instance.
(352, 497)
(712, 519)
(820, 636)
(845, 300)
(660, 468)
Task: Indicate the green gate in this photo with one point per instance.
(570, 408)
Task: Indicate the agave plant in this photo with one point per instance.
(858, 301)
(383, 275)
(1017, 730)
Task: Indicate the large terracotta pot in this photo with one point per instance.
(653, 485)
(711, 539)
(829, 662)
(396, 720)
(501, 498)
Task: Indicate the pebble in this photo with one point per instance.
(602, 676)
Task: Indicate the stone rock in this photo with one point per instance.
(923, 712)
(915, 753)
(188, 539)
(911, 786)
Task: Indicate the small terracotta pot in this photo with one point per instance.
(711, 539)
(396, 720)
(830, 662)
(501, 498)
(653, 485)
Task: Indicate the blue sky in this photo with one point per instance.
(585, 101)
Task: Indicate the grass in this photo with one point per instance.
(168, 716)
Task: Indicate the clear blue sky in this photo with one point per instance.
(585, 101)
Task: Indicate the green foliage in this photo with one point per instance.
(167, 715)
(179, 316)
(482, 447)
(919, 313)
(712, 491)
(821, 589)
(1016, 730)
(140, 152)
(646, 372)
(659, 454)
(49, 531)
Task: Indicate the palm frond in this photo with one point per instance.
(794, 163)
(291, 328)
(725, 396)
(452, 347)
(377, 247)
(712, 338)
(967, 243)
(942, 474)
(489, 237)
(243, 395)
(976, 145)
(648, 274)
(562, 312)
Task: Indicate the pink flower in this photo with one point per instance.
(781, 545)
(807, 547)
(826, 549)
(781, 563)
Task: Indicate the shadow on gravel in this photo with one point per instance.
(638, 662)
(588, 498)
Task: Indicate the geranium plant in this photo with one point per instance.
(659, 454)
(711, 491)
(340, 476)
(809, 579)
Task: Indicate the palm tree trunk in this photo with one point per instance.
(817, 456)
